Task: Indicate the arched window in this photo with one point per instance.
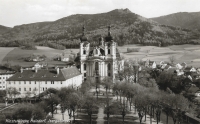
(84, 66)
(96, 66)
(108, 51)
(84, 51)
(109, 66)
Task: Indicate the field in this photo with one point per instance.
(183, 53)
(4, 51)
(17, 55)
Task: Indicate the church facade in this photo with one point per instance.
(100, 61)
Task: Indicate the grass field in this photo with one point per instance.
(17, 55)
(4, 51)
(183, 53)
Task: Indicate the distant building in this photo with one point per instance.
(64, 57)
(184, 65)
(36, 81)
(179, 66)
(4, 75)
(102, 60)
(150, 64)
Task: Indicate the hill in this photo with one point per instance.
(127, 28)
(181, 19)
(3, 29)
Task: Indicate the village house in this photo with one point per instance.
(64, 57)
(34, 82)
(150, 64)
(179, 66)
(184, 65)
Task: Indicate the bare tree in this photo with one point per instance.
(172, 59)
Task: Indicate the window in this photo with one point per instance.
(43, 88)
(84, 51)
(29, 89)
(19, 82)
(109, 66)
(52, 82)
(109, 74)
(14, 82)
(96, 66)
(0, 77)
(46, 82)
(3, 86)
(84, 74)
(0, 82)
(29, 82)
(24, 82)
(24, 89)
(9, 83)
(0, 86)
(61, 82)
(3, 78)
(35, 82)
(84, 66)
(108, 51)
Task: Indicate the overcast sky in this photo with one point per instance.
(17, 12)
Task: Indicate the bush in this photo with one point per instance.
(29, 47)
(133, 50)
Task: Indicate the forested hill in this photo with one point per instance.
(3, 29)
(126, 28)
(181, 19)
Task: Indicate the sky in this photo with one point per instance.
(18, 12)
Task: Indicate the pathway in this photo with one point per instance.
(100, 115)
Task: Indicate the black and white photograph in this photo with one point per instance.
(99, 61)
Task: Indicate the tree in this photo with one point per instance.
(28, 112)
(52, 101)
(12, 93)
(172, 59)
(107, 82)
(90, 105)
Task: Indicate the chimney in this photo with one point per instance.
(58, 70)
(21, 70)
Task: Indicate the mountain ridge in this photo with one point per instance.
(127, 28)
(190, 20)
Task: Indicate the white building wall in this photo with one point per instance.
(3, 82)
(29, 86)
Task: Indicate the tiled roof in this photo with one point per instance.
(45, 75)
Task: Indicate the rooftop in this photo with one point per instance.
(45, 75)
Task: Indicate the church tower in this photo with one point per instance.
(99, 61)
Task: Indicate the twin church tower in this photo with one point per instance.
(100, 61)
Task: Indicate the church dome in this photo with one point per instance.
(83, 38)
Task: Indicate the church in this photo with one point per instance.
(100, 61)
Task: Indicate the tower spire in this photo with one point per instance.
(109, 33)
(83, 30)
